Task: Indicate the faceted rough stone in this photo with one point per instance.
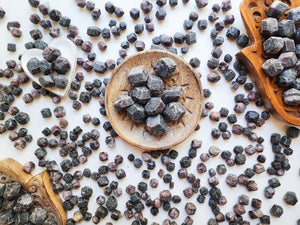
(165, 67)
(138, 76)
(136, 113)
(251, 116)
(12, 190)
(62, 65)
(46, 67)
(289, 45)
(46, 81)
(38, 216)
(172, 94)
(156, 125)
(179, 37)
(288, 59)
(100, 67)
(174, 111)
(2, 13)
(290, 198)
(286, 28)
(93, 31)
(60, 81)
(7, 216)
(272, 67)
(276, 210)
(24, 203)
(269, 27)
(51, 54)
(140, 95)
(273, 45)
(122, 102)
(33, 65)
(287, 78)
(294, 14)
(276, 9)
(191, 38)
(155, 85)
(154, 106)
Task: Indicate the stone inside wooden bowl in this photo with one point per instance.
(253, 12)
(39, 186)
(192, 99)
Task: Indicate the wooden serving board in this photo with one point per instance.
(253, 12)
(192, 100)
(39, 186)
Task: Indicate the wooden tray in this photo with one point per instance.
(39, 186)
(253, 11)
(192, 99)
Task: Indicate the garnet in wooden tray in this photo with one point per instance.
(38, 186)
(192, 99)
(253, 12)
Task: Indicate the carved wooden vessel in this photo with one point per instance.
(192, 99)
(39, 186)
(253, 11)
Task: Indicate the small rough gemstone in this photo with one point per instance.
(232, 180)
(286, 28)
(100, 67)
(46, 67)
(276, 9)
(138, 76)
(155, 85)
(140, 95)
(273, 45)
(46, 81)
(288, 59)
(291, 97)
(276, 210)
(122, 102)
(242, 41)
(62, 65)
(290, 198)
(174, 111)
(93, 31)
(233, 33)
(272, 67)
(33, 65)
(289, 46)
(294, 14)
(156, 125)
(191, 38)
(12, 190)
(154, 106)
(202, 24)
(287, 78)
(160, 14)
(136, 113)
(38, 215)
(269, 27)
(165, 67)
(60, 81)
(190, 208)
(172, 94)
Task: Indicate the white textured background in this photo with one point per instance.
(221, 96)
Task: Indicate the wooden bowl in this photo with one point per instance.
(253, 11)
(192, 99)
(39, 186)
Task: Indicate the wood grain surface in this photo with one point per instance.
(253, 12)
(39, 186)
(192, 99)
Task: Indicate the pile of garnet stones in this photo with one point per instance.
(148, 102)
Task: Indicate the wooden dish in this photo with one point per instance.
(253, 11)
(39, 186)
(192, 99)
